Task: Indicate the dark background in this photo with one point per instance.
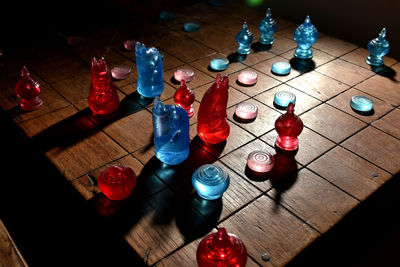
(53, 226)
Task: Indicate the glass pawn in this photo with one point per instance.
(221, 249)
(305, 36)
(28, 90)
(267, 29)
(184, 97)
(378, 48)
(288, 127)
(244, 39)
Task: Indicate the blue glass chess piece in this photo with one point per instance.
(244, 39)
(210, 181)
(361, 103)
(150, 82)
(267, 29)
(378, 48)
(171, 132)
(305, 36)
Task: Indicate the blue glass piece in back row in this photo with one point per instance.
(210, 181)
(305, 36)
(378, 48)
(171, 132)
(244, 39)
(150, 81)
(267, 29)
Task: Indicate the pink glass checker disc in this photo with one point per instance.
(260, 161)
(184, 74)
(121, 72)
(247, 77)
(246, 111)
(130, 45)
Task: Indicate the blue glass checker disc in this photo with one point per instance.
(361, 103)
(191, 27)
(219, 63)
(166, 15)
(283, 98)
(281, 68)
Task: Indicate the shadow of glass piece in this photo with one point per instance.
(235, 57)
(260, 47)
(364, 113)
(302, 65)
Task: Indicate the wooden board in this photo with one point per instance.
(343, 157)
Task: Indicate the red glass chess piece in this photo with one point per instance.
(117, 182)
(28, 91)
(288, 126)
(184, 97)
(221, 249)
(103, 96)
(212, 125)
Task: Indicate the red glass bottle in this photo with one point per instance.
(184, 97)
(221, 249)
(103, 96)
(288, 127)
(212, 125)
(28, 91)
(117, 182)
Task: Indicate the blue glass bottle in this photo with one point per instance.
(210, 181)
(150, 82)
(171, 132)
(305, 36)
(267, 29)
(378, 48)
(244, 39)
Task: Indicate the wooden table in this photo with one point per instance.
(342, 159)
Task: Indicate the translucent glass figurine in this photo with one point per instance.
(305, 36)
(103, 96)
(28, 90)
(212, 125)
(267, 29)
(288, 127)
(117, 182)
(150, 82)
(184, 97)
(378, 48)
(221, 249)
(171, 132)
(244, 39)
(210, 181)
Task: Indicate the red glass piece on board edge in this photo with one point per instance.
(184, 97)
(103, 96)
(117, 182)
(221, 249)
(212, 125)
(288, 127)
(28, 90)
